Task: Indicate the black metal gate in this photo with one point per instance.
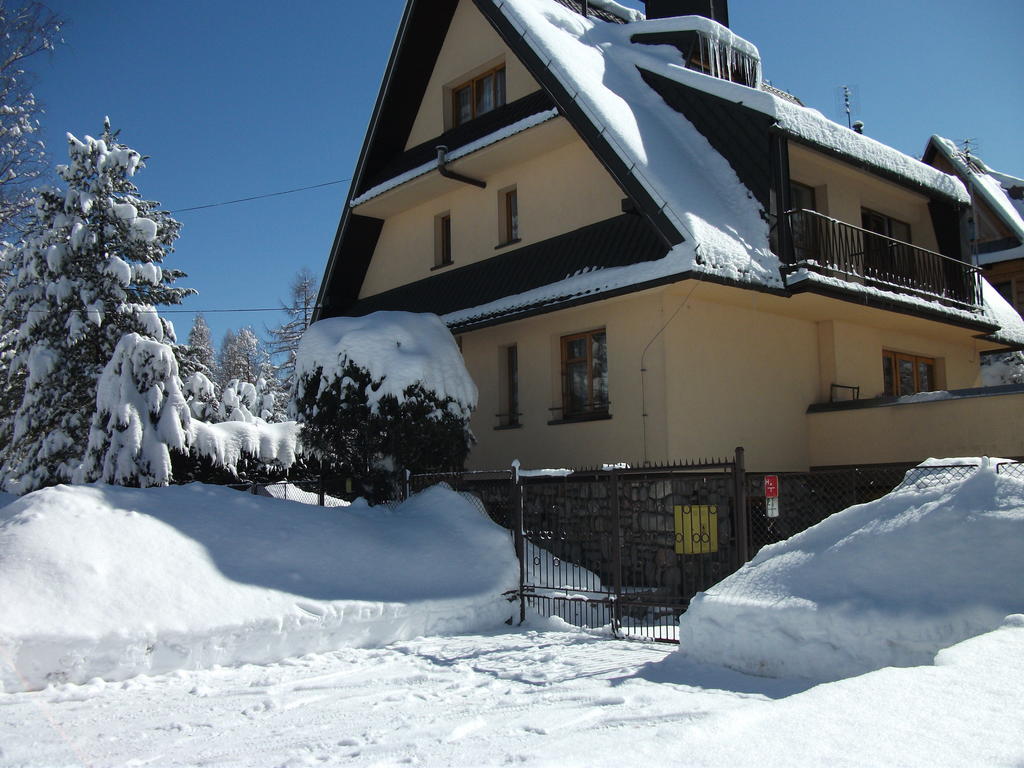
(627, 547)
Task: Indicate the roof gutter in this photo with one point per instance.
(442, 168)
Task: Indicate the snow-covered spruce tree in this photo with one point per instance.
(380, 394)
(285, 338)
(141, 416)
(87, 274)
(198, 354)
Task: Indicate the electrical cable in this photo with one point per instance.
(259, 197)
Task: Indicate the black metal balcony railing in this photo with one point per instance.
(836, 249)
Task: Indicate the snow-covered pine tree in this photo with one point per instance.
(141, 416)
(87, 273)
(284, 339)
(198, 354)
(242, 356)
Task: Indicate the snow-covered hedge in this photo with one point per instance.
(383, 393)
(887, 583)
(100, 581)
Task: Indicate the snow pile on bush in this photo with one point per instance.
(99, 581)
(887, 583)
(399, 350)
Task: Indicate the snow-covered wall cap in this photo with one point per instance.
(707, 27)
(400, 349)
(985, 184)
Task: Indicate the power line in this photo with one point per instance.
(259, 197)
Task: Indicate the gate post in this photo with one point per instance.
(516, 501)
(739, 475)
(616, 554)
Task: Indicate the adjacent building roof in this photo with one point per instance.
(1003, 194)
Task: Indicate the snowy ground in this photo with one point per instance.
(530, 698)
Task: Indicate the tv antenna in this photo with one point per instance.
(848, 102)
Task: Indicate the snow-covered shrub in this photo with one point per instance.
(380, 394)
(201, 395)
(141, 416)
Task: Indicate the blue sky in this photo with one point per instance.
(231, 99)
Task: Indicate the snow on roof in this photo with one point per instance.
(455, 154)
(696, 187)
(810, 125)
(998, 310)
(993, 187)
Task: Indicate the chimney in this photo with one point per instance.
(712, 9)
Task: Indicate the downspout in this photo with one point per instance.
(442, 168)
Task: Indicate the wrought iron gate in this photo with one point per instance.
(627, 547)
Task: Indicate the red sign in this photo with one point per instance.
(771, 486)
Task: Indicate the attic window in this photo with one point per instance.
(478, 96)
(719, 59)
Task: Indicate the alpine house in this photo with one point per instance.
(647, 253)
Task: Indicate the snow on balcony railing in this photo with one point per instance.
(835, 249)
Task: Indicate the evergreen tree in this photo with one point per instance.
(141, 416)
(198, 356)
(284, 339)
(242, 356)
(87, 274)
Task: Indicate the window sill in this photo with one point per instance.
(581, 418)
(441, 266)
(499, 246)
(508, 426)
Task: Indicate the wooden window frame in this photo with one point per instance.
(889, 221)
(509, 388)
(890, 362)
(442, 240)
(473, 84)
(508, 216)
(592, 409)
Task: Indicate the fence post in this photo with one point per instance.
(320, 489)
(739, 474)
(616, 554)
(408, 485)
(518, 535)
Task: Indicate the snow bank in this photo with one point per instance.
(100, 581)
(399, 349)
(888, 583)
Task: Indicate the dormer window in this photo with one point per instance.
(478, 96)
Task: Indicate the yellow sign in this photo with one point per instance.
(696, 529)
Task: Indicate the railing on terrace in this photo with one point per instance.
(835, 249)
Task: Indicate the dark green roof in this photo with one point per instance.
(617, 242)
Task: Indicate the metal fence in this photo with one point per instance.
(629, 547)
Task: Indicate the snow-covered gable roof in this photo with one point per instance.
(994, 188)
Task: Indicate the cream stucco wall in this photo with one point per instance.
(977, 426)
(629, 323)
(470, 48)
(558, 191)
(851, 355)
(730, 367)
(841, 191)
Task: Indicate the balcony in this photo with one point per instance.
(834, 249)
